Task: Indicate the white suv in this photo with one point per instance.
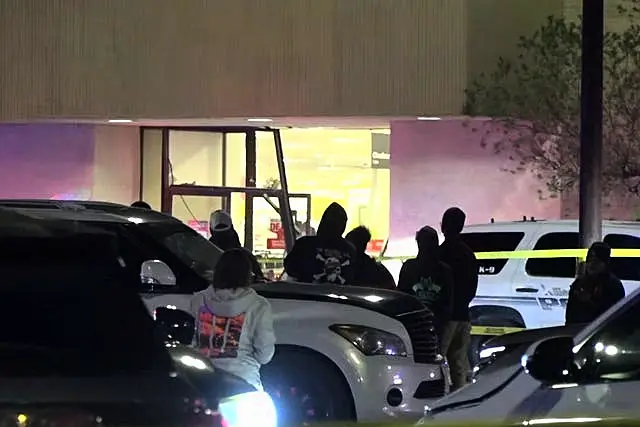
(341, 352)
(516, 290)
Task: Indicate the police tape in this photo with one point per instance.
(539, 253)
(494, 330)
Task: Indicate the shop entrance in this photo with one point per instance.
(263, 228)
(194, 172)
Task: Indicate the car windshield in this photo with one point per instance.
(66, 309)
(186, 244)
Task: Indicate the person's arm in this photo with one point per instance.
(349, 273)
(472, 278)
(571, 314)
(386, 278)
(264, 338)
(404, 279)
(293, 261)
(614, 292)
(447, 296)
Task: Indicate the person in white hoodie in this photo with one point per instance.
(234, 325)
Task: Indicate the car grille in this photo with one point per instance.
(419, 325)
(430, 389)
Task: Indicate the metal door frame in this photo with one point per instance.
(168, 190)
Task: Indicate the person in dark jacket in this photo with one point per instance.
(225, 236)
(368, 272)
(457, 332)
(326, 257)
(597, 290)
(429, 279)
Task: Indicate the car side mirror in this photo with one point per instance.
(551, 361)
(176, 325)
(156, 273)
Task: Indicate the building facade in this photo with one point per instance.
(167, 59)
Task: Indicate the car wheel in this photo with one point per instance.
(307, 389)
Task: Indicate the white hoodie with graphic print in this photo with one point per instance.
(234, 327)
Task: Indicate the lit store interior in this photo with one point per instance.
(323, 165)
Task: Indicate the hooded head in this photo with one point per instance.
(223, 235)
(598, 258)
(333, 222)
(220, 221)
(359, 238)
(453, 222)
(428, 242)
(141, 204)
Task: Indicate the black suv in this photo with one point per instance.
(79, 347)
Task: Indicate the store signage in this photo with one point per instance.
(201, 227)
(380, 151)
(375, 247)
(275, 226)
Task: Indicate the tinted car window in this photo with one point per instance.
(69, 308)
(613, 353)
(191, 248)
(624, 268)
(554, 267)
(492, 242)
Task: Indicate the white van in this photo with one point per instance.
(516, 290)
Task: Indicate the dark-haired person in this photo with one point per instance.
(429, 279)
(326, 257)
(457, 332)
(225, 236)
(596, 290)
(140, 204)
(234, 325)
(367, 272)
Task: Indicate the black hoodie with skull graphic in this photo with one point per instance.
(326, 257)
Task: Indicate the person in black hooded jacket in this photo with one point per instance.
(597, 290)
(429, 279)
(326, 257)
(367, 272)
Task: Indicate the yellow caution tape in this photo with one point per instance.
(494, 330)
(542, 253)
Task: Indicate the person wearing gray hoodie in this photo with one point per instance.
(234, 325)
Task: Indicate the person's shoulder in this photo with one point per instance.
(261, 303)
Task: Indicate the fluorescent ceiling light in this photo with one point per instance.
(120, 121)
(260, 120)
(429, 118)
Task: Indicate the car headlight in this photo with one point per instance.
(371, 341)
(253, 409)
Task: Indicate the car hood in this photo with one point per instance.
(387, 302)
(529, 336)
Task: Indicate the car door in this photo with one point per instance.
(548, 279)
(609, 363)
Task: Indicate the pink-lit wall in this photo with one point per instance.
(439, 164)
(69, 162)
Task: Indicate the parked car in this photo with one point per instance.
(498, 347)
(79, 348)
(592, 375)
(374, 353)
(525, 270)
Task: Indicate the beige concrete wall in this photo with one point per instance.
(215, 58)
(116, 164)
